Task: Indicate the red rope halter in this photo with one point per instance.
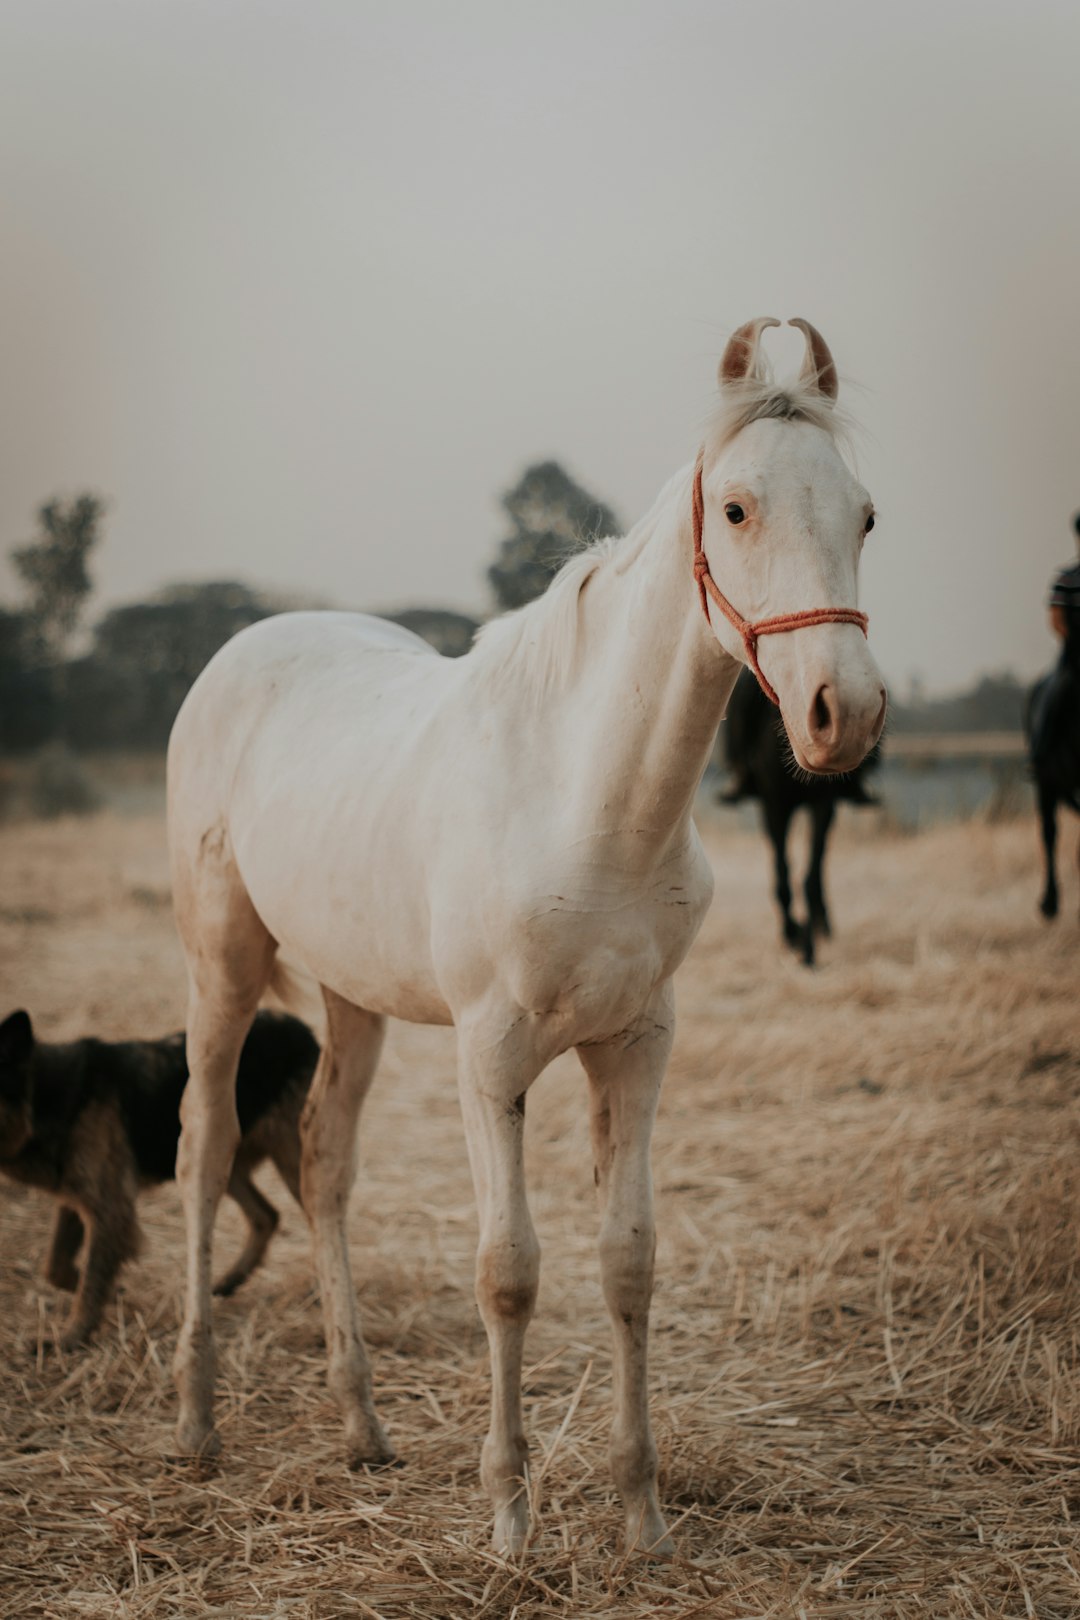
(750, 633)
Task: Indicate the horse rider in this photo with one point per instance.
(1064, 601)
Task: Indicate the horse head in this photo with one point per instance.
(780, 522)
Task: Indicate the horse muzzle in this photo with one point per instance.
(834, 711)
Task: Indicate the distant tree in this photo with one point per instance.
(34, 639)
(551, 518)
(54, 569)
(994, 703)
(146, 655)
(27, 687)
(449, 633)
(179, 629)
(997, 703)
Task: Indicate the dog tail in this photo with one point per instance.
(298, 992)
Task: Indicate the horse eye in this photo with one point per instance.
(869, 524)
(734, 513)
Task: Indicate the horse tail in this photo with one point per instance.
(298, 992)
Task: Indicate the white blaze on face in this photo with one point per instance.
(783, 533)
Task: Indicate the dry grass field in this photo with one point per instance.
(866, 1325)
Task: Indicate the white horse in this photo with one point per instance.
(504, 842)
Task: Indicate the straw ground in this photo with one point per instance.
(865, 1350)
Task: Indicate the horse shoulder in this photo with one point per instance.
(564, 930)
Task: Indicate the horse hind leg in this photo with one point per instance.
(229, 954)
(777, 823)
(1048, 905)
(345, 1071)
(822, 814)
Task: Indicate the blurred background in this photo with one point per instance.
(385, 306)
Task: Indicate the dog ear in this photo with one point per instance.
(16, 1038)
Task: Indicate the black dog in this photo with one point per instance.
(93, 1122)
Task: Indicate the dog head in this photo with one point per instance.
(16, 1058)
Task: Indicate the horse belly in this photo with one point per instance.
(365, 945)
(333, 863)
(405, 992)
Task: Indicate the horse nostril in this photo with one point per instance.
(821, 715)
(879, 723)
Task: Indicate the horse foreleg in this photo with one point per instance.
(507, 1268)
(328, 1162)
(1048, 905)
(624, 1079)
(822, 814)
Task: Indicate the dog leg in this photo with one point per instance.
(104, 1184)
(262, 1219)
(284, 1150)
(113, 1238)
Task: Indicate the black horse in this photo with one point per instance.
(1053, 728)
(758, 752)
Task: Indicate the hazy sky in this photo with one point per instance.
(301, 287)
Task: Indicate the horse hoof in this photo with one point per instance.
(511, 1530)
(660, 1552)
(54, 1344)
(649, 1538)
(372, 1450)
(376, 1464)
(194, 1443)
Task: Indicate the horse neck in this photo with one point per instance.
(651, 689)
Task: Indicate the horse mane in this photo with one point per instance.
(537, 645)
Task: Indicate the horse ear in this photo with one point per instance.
(819, 367)
(741, 355)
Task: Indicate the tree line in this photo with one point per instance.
(119, 684)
